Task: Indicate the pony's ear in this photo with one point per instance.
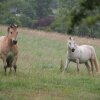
(13, 26)
(8, 29)
(70, 38)
(16, 26)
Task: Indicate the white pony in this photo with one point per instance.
(81, 54)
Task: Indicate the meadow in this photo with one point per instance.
(38, 76)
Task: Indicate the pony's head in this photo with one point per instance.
(12, 33)
(71, 44)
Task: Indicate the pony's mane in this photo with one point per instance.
(13, 26)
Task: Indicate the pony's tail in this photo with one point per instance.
(9, 61)
(96, 64)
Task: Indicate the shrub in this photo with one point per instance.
(25, 21)
(12, 19)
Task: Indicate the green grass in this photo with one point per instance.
(38, 76)
(1, 33)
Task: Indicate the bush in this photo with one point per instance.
(12, 19)
(58, 25)
(26, 21)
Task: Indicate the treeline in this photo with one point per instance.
(24, 12)
(77, 17)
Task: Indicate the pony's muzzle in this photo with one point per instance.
(14, 42)
(73, 50)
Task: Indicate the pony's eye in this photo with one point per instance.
(11, 32)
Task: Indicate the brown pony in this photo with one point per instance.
(9, 49)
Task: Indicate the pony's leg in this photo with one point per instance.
(66, 65)
(5, 65)
(88, 68)
(91, 61)
(14, 63)
(77, 61)
(15, 66)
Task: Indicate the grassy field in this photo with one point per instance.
(38, 76)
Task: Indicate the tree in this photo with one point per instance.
(75, 15)
(41, 8)
(80, 12)
(62, 21)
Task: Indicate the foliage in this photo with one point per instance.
(77, 17)
(81, 12)
(71, 16)
(23, 12)
(42, 7)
